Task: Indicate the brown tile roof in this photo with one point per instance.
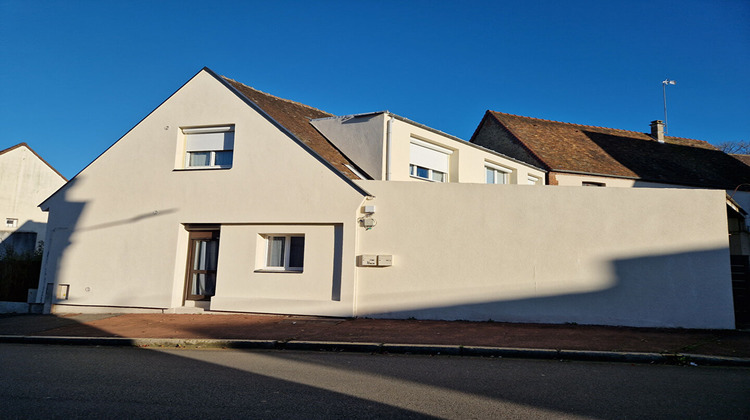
(743, 158)
(569, 147)
(295, 117)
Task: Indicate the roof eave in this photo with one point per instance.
(278, 125)
(635, 178)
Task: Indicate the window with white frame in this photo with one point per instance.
(496, 174)
(11, 222)
(428, 161)
(285, 252)
(533, 180)
(209, 147)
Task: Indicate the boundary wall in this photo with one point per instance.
(609, 256)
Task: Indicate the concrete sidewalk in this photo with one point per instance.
(582, 342)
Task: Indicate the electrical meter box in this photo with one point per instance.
(385, 260)
(62, 291)
(368, 260)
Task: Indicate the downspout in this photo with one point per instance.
(388, 148)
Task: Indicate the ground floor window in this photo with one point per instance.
(285, 252)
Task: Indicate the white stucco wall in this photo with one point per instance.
(742, 198)
(572, 180)
(25, 181)
(613, 256)
(118, 233)
(246, 287)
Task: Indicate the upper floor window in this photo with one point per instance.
(209, 147)
(429, 161)
(496, 174)
(593, 184)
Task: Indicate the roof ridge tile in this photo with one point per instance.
(602, 128)
(568, 123)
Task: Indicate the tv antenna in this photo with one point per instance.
(664, 84)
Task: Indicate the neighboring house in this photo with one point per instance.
(388, 147)
(242, 201)
(25, 181)
(580, 155)
(576, 154)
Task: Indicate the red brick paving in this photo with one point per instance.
(494, 334)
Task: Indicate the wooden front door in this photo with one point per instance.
(203, 255)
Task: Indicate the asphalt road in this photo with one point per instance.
(38, 381)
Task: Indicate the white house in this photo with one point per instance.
(242, 201)
(25, 181)
(388, 147)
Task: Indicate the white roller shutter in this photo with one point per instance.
(199, 140)
(429, 156)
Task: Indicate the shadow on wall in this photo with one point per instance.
(24, 239)
(689, 289)
(63, 222)
(20, 263)
(338, 261)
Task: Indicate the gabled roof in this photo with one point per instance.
(296, 117)
(2, 152)
(574, 148)
(292, 117)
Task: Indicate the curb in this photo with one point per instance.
(389, 348)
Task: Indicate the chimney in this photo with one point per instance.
(657, 130)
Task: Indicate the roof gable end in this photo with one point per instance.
(2, 152)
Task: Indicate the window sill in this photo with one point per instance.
(202, 168)
(266, 270)
(426, 179)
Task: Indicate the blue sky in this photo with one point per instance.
(77, 75)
